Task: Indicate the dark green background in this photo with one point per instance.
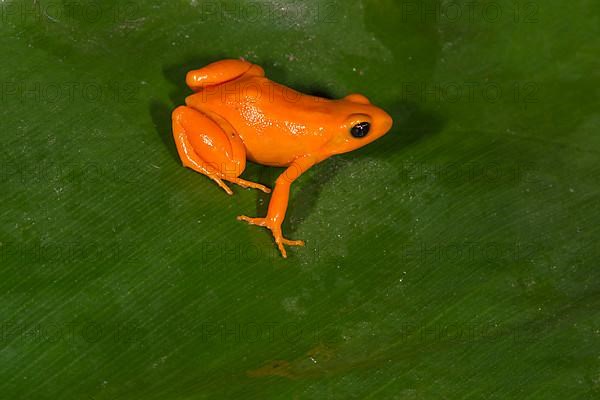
(457, 257)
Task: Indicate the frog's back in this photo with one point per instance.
(277, 124)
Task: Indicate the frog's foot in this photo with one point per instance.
(247, 184)
(275, 229)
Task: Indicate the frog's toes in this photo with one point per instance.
(281, 241)
(289, 242)
(253, 221)
(222, 185)
(247, 184)
(276, 230)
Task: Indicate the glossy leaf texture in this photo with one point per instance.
(455, 258)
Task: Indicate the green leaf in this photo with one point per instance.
(455, 258)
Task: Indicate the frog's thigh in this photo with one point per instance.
(205, 147)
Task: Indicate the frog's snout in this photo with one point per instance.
(385, 123)
(389, 122)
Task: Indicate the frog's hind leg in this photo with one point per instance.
(221, 72)
(187, 154)
(206, 148)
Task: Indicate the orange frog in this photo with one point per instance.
(237, 114)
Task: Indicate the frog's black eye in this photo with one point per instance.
(360, 130)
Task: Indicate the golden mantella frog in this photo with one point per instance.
(238, 114)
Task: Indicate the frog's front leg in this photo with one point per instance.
(207, 148)
(279, 202)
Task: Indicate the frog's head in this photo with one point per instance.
(357, 123)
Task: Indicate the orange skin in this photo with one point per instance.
(237, 114)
